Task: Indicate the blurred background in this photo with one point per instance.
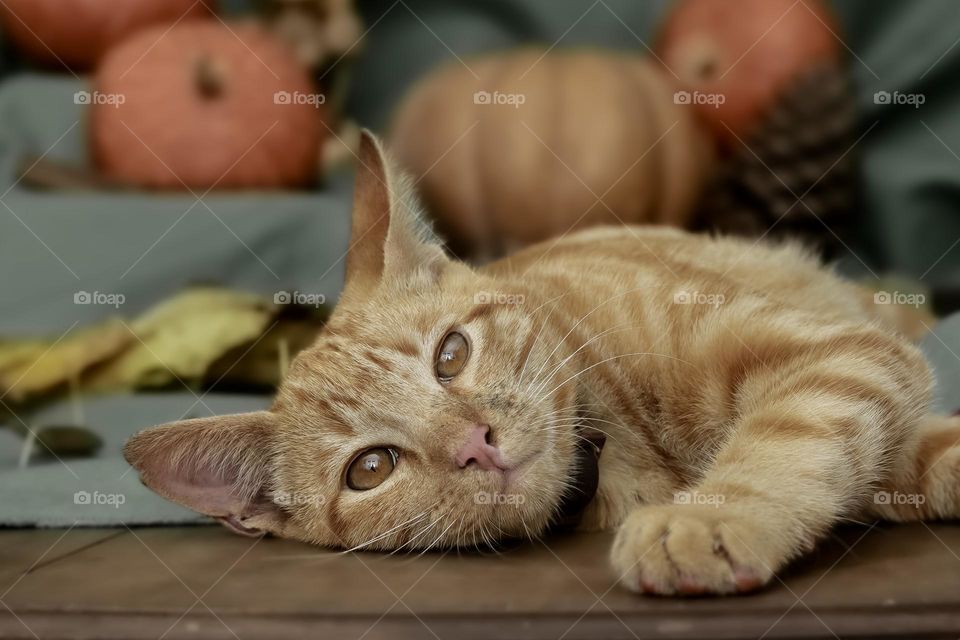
(175, 176)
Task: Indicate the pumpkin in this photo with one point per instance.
(205, 105)
(537, 144)
(736, 58)
(78, 32)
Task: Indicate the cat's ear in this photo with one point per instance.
(388, 240)
(217, 466)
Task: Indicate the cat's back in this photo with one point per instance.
(606, 260)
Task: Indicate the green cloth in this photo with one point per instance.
(104, 490)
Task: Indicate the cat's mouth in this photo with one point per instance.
(508, 484)
(515, 472)
(508, 471)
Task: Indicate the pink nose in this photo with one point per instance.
(477, 450)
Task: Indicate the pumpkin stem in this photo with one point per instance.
(209, 79)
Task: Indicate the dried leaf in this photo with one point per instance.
(40, 371)
(178, 339)
(257, 365)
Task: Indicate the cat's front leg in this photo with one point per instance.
(731, 533)
(810, 443)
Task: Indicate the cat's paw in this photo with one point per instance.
(686, 549)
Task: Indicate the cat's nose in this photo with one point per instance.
(478, 450)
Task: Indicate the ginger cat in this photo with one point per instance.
(750, 400)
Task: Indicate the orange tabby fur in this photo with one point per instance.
(750, 400)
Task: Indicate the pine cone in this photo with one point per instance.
(802, 149)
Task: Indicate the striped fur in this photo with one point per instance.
(770, 391)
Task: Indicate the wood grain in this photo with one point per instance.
(887, 582)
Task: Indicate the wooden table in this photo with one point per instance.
(203, 582)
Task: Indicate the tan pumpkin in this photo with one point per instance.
(206, 105)
(552, 142)
(78, 32)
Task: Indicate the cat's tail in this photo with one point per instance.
(912, 321)
(927, 485)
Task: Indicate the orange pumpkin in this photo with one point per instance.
(206, 105)
(535, 145)
(78, 32)
(736, 58)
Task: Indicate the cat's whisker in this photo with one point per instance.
(561, 420)
(425, 529)
(605, 360)
(543, 324)
(526, 529)
(486, 538)
(524, 471)
(413, 557)
(433, 544)
(852, 520)
(577, 408)
(387, 532)
(574, 327)
(609, 435)
(588, 421)
(459, 534)
(483, 538)
(557, 368)
(582, 421)
(548, 419)
(543, 381)
(562, 414)
(598, 430)
(501, 534)
(490, 539)
(556, 414)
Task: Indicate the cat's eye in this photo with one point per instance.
(371, 468)
(452, 356)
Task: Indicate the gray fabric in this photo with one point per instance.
(942, 348)
(910, 165)
(101, 491)
(143, 246)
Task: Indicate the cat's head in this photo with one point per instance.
(427, 413)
